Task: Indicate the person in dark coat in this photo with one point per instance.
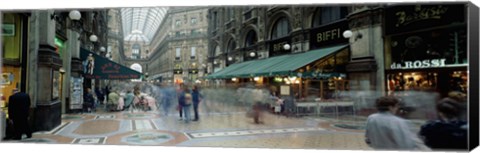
(100, 95)
(107, 91)
(196, 98)
(449, 132)
(88, 101)
(18, 112)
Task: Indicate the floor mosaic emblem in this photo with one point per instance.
(97, 140)
(143, 125)
(147, 138)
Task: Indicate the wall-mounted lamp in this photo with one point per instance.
(214, 62)
(102, 49)
(75, 15)
(230, 58)
(252, 54)
(286, 47)
(61, 70)
(349, 33)
(93, 38)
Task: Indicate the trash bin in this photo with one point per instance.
(3, 123)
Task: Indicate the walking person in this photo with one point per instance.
(18, 112)
(179, 93)
(112, 101)
(185, 100)
(128, 100)
(88, 101)
(100, 95)
(385, 131)
(449, 131)
(196, 98)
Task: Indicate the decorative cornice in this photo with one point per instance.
(47, 56)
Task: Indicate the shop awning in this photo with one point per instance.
(279, 65)
(104, 68)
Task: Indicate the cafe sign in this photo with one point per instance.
(330, 34)
(276, 46)
(417, 64)
(406, 18)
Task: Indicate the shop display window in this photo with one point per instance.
(427, 81)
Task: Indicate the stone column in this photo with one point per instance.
(48, 110)
(367, 49)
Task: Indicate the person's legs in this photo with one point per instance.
(26, 128)
(17, 135)
(187, 113)
(195, 110)
(180, 110)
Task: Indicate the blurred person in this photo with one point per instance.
(179, 93)
(196, 98)
(100, 95)
(448, 131)
(461, 99)
(107, 92)
(112, 101)
(257, 113)
(18, 113)
(88, 101)
(185, 101)
(121, 101)
(128, 100)
(385, 131)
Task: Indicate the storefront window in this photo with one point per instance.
(441, 81)
(11, 40)
(437, 48)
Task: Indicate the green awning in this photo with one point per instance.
(104, 68)
(297, 61)
(279, 65)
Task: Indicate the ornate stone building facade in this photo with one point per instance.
(239, 34)
(180, 46)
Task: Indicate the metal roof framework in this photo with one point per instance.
(141, 24)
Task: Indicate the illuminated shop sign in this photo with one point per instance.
(404, 18)
(417, 64)
(329, 34)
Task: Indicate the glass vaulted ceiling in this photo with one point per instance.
(140, 24)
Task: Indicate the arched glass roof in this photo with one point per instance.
(140, 24)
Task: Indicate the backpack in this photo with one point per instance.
(188, 98)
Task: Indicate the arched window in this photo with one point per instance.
(281, 28)
(231, 46)
(251, 38)
(136, 51)
(327, 15)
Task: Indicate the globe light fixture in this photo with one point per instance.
(75, 15)
(234, 79)
(347, 34)
(93, 38)
(102, 49)
(230, 58)
(252, 54)
(286, 47)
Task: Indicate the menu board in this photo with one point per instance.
(76, 93)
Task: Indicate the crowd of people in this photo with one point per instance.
(385, 130)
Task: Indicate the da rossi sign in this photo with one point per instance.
(417, 64)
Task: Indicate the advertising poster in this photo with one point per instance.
(76, 93)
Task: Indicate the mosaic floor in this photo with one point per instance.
(215, 129)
